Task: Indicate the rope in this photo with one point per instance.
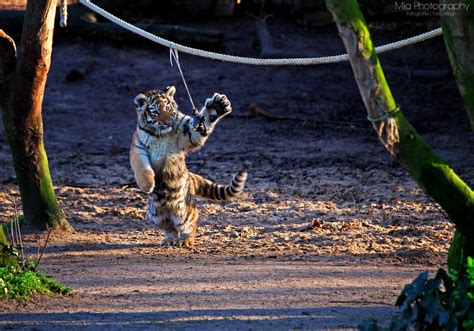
(63, 13)
(251, 60)
(174, 55)
(385, 116)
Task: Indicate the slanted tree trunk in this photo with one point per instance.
(7, 258)
(458, 32)
(22, 83)
(395, 133)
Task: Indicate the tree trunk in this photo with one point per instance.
(458, 32)
(22, 84)
(396, 134)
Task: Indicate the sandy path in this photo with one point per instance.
(150, 292)
(328, 231)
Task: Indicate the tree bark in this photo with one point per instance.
(458, 32)
(395, 133)
(23, 81)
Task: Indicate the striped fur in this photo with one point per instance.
(157, 156)
(208, 189)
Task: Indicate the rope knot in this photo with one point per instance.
(385, 116)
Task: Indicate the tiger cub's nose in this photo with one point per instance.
(165, 117)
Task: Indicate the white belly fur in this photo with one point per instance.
(159, 148)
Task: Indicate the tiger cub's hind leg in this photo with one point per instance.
(188, 228)
(181, 233)
(171, 235)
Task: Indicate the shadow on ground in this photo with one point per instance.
(235, 319)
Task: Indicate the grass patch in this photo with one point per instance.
(18, 274)
(16, 283)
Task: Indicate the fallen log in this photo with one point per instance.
(85, 24)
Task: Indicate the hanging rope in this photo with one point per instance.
(250, 60)
(174, 55)
(200, 124)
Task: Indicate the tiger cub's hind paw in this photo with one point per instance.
(177, 243)
(167, 242)
(184, 242)
(188, 242)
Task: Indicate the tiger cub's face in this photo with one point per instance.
(156, 110)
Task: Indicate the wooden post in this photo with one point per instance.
(22, 84)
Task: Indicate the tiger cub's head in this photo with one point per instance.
(156, 110)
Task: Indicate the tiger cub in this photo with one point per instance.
(157, 156)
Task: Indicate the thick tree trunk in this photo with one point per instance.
(458, 31)
(21, 95)
(396, 134)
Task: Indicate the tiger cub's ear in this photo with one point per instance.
(140, 100)
(170, 91)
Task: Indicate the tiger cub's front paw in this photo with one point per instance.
(218, 106)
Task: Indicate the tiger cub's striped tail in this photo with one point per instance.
(208, 189)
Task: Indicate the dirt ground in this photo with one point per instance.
(328, 231)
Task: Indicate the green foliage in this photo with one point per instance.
(18, 283)
(9, 256)
(371, 324)
(444, 302)
(18, 275)
(7, 226)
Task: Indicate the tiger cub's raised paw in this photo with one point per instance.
(220, 104)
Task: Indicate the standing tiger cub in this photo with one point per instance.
(157, 156)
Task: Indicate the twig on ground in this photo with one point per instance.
(16, 224)
(257, 111)
(364, 302)
(44, 248)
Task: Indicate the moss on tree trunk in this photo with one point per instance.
(396, 134)
(22, 83)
